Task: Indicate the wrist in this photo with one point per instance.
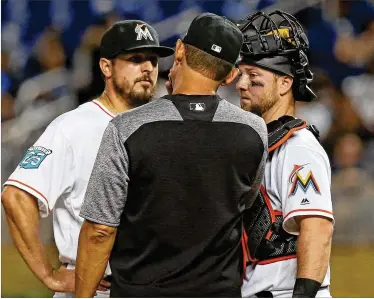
(48, 279)
(305, 288)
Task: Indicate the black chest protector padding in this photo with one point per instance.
(265, 239)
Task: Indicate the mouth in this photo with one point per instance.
(244, 100)
(145, 82)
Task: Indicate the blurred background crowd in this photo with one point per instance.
(49, 65)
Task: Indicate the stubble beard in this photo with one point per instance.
(266, 103)
(134, 99)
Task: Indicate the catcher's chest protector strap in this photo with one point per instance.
(285, 127)
(264, 240)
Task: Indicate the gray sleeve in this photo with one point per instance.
(262, 131)
(259, 177)
(230, 113)
(107, 188)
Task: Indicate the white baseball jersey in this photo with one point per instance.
(297, 180)
(56, 170)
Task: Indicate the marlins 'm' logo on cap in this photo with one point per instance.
(143, 32)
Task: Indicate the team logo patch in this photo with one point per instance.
(34, 156)
(297, 181)
(216, 48)
(143, 33)
(197, 106)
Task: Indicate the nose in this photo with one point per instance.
(147, 66)
(241, 85)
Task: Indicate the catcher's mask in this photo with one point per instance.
(278, 43)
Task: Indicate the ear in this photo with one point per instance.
(284, 84)
(106, 67)
(230, 77)
(179, 52)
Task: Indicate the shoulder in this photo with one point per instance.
(77, 122)
(156, 110)
(227, 112)
(306, 138)
(148, 110)
(303, 142)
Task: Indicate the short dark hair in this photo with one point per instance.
(209, 66)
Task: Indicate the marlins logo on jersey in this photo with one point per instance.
(143, 32)
(34, 157)
(297, 180)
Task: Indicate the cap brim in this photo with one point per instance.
(160, 50)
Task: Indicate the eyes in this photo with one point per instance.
(251, 75)
(143, 58)
(251, 78)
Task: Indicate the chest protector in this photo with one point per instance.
(264, 240)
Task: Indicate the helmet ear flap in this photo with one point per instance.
(304, 39)
(303, 77)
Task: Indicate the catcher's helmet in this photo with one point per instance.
(277, 42)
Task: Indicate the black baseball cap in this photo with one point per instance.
(216, 36)
(129, 36)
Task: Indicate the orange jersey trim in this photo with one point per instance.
(98, 105)
(308, 210)
(286, 137)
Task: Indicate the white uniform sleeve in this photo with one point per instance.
(304, 185)
(46, 170)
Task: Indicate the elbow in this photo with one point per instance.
(103, 231)
(7, 197)
(98, 233)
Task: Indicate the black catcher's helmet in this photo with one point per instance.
(277, 42)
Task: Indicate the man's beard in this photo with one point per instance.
(256, 109)
(134, 99)
(266, 103)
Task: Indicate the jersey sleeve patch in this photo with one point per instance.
(298, 181)
(34, 156)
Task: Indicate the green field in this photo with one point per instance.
(351, 267)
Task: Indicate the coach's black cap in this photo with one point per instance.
(215, 35)
(131, 35)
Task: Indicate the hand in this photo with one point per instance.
(61, 280)
(104, 285)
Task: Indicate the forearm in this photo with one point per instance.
(313, 248)
(95, 245)
(22, 215)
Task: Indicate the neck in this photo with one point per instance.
(193, 83)
(285, 106)
(114, 103)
